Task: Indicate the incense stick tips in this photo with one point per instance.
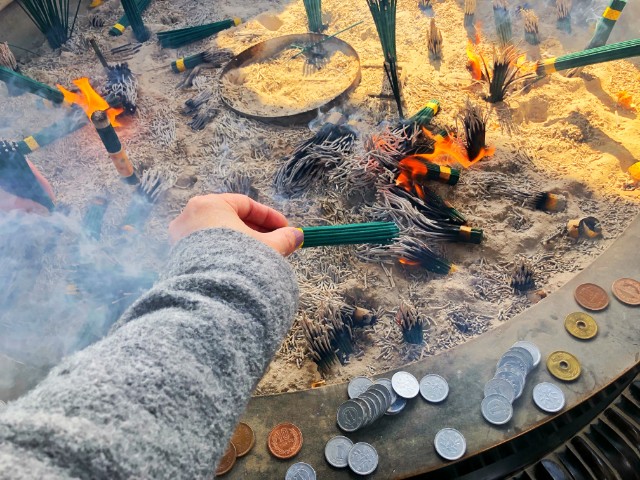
(434, 41)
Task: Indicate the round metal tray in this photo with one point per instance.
(269, 48)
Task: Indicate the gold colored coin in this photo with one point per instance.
(563, 366)
(581, 325)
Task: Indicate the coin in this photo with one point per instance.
(563, 366)
(496, 409)
(581, 325)
(387, 383)
(367, 407)
(501, 387)
(627, 290)
(524, 354)
(450, 444)
(243, 438)
(227, 461)
(591, 296)
(397, 406)
(351, 416)
(532, 349)
(285, 440)
(548, 397)
(405, 384)
(515, 379)
(434, 388)
(363, 458)
(515, 362)
(336, 451)
(300, 471)
(357, 386)
(382, 390)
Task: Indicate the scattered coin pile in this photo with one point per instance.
(341, 452)
(368, 406)
(241, 443)
(508, 382)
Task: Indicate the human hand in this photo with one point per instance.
(9, 201)
(240, 213)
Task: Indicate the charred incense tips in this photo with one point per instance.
(97, 21)
(434, 41)
(497, 184)
(424, 4)
(530, 19)
(411, 323)
(329, 337)
(238, 182)
(193, 104)
(134, 15)
(112, 143)
(503, 74)
(522, 277)
(474, 122)
(351, 234)
(469, 13)
(411, 252)
(502, 20)
(314, 15)
(184, 36)
(122, 87)
(7, 59)
(563, 15)
(53, 19)
(319, 344)
(202, 118)
(119, 28)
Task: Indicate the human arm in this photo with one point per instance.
(159, 397)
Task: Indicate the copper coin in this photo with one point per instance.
(581, 325)
(627, 290)
(285, 440)
(227, 461)
(563, 366)
(243, 438)
(591, 296)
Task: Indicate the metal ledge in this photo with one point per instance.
(405, 442)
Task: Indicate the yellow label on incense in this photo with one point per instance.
(445, 172)
(237, 21)
(611, 14)
(119, 26)
(180, 65)
(634, 171)
(433, 106)
(549, 65)
(303, 238)
(31, 143)
(465, 232)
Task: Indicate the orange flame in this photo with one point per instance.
(404, 261)
(625, 99)
(89, 100)
(474, 65)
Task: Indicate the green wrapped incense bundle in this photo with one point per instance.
(184, 36)
(593, 56)
(135, 19)
(314, 15)
(54, 18)
(416, 169)
(22, 82)
(425, 115)
(606, 23)
(351, 234)
(73, 121)
(17, 178)
(214, 58)
(119, 28)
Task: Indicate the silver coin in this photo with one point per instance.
(450, 444)
(300, 471)
(515, 361)
(526, 355)
(372, 408)
(350, 416)
(397, 406)
(501, 387)
(377, 406)
(548, 397)
(368, 412)
(516, 380)
(363, 458)
(384, 392)
(532, 349)
(387, 383)
(357, 386)
(336, 451)
(434, 388)
(496, 409)
(405, 384)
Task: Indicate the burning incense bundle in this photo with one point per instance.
(411, 252)
(430, 204)
(314, 15)
(119, 28)
(414, 169)
(434, 41)
(423, 117)
(21, 82)
(112, 143)
(469, 13)
(522, 277)
(606, 53)
(17, 178)
(328, 341)
(504, 73)
(411, 323)
(474, 122)
(563, 15)
(530, 19)
(214, 58)
(74, 120)
(634, 171)
(502, 19)
(134, 15)
(314, 157)
(185, 36)
(350, 234)
(384, 16)
(52, 19)
(606, 23)
(122, 87)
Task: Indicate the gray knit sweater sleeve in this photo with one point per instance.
(160, 395)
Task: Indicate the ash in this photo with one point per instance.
(556, 136)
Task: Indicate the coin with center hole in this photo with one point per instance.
(357, 386)
(227, 461)
(336, 451)
(434, 388)
(591, 297)
(363, 458)
(450, 444)
(563, 366)
(496, 409)
(548, 397)
(627, 290)
(581, 325)
(405, 384)
(300, 471)
(533, 350)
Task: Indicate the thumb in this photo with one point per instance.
(284, 240)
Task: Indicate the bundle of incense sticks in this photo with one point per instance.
(184, 36)
(350, 234)
(606, 23)
(22, 82)
(74, 120)
(124, 22)
(134, 14)
(314, 15)
(214, 58)
(415, 169)
(411, 323)
(424, 116)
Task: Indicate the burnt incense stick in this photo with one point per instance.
(530, 20)
(502, 20)
(563, 15)
(434, 41)
(114, 148)
(411, 323)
